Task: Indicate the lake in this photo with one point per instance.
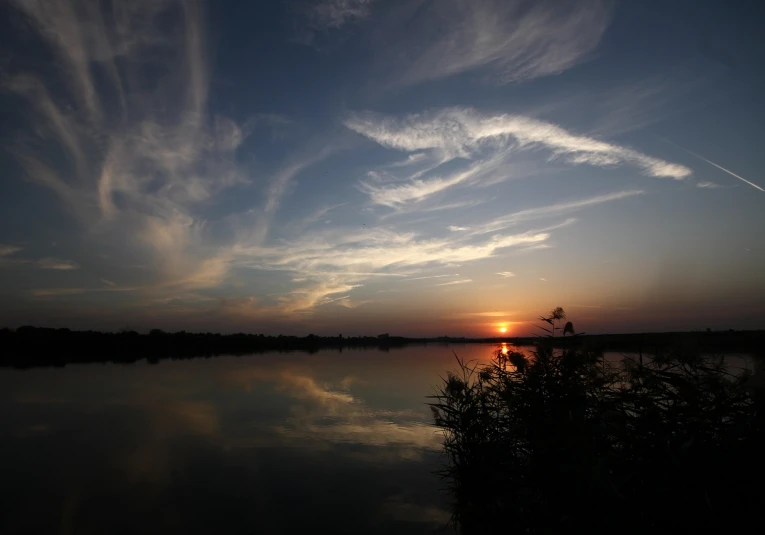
(335, 442)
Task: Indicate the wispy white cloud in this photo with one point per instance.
(488, 314)
(630, 106)
(507, 40)
(432, 277)
(67, 131)
(331, 264)
(314, 295)
(378, 250)
(428, 208)
(536, 247)
(708, 185)
(335, 299)
(7, 250)
(552, 210)
(279, 187)
(57, 263)
(416, 190)
(452, 283)
(455, 228)
(506, 274)
(58, 23)
(462, 132)
(503, 41)
(8, 257)
(54, 292)
(486, 141)
(318, 215)
(353, 303)
(333, 14)
(141, 158)
(416, 158)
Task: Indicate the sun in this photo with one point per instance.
(503, 329)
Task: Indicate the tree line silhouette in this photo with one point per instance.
(39, 346)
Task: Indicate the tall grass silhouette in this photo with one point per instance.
(563, 440)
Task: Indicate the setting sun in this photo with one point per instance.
(503, 329)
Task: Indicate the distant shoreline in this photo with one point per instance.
(34, 346)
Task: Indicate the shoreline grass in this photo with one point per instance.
(565, 441)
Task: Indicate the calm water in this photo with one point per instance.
(275, 443)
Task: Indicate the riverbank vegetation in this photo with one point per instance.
(562, 441)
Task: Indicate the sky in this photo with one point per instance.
(417, 167)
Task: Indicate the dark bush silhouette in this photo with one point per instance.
(563, 442)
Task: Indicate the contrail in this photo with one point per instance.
(712, 163)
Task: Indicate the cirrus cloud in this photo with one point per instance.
(57, 263)
(7, 250)
(506, 41)
(486, 141)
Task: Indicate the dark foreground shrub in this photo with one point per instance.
(562, 441)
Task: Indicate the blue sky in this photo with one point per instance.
(354, 166)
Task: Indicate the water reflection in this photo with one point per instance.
(269, 444)
(274, 443)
